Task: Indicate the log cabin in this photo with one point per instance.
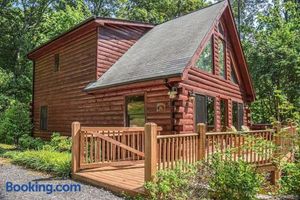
(119, 73)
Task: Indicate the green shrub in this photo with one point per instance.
(233, 179)
(290, 179)
(14, 123)
(171, 184)
(60, 143)
(5, 148)
(58, 163)
(28, 142)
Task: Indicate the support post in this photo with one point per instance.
(201, 130)
(276, 174)
(150, 151)
(75, 146)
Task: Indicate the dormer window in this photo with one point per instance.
(205, 61)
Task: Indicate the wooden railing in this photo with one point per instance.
(254, 147)
(174, 148)
(165, 151)
(106, 146)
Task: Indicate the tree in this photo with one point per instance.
(157, 11)
(103, 8)
(25, 25)
(273, 57)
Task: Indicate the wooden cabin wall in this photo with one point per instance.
(211, 84)
(62, 91)
(113, 42)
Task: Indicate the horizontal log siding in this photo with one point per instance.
(63, 91)
(113, 42)
(212, 85)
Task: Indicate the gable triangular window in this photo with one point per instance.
(205, 61)
(233, 74)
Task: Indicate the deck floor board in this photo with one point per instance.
(127, 179)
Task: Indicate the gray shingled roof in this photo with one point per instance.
(162, 52)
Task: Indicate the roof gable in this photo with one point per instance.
(78, 30)
(164, 51)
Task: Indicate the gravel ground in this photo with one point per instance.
(17, 174)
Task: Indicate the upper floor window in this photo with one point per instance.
(135, 111)
(222, 59)
(44, 118)
(56, 62)
(205, 61)
(221, 29)
(233, 75)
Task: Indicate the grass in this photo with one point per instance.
(57, 163)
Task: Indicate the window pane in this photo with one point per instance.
(56, 62)
(240, 115)
(205, 60)
(135, 111)
(205, 111)
(235, 114)
(210, 113)
(233, 75)
(222, 59)
(221, 30)
(223, 108)
(43, 118)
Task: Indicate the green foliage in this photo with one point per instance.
(172, 184)
(28, 142)
(233, 179)
(58, 163)
(14, 123)
(5, 148)
(272, 49)
(60, 143)
(290, 180)
(157, 11)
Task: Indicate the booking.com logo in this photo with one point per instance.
(40, 187)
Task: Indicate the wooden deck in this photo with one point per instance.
(121, 179)
(122, 159)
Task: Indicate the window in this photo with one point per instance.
(44, 118)
(237, 115)
(135, 111)
(233, 75)
(205, 111)
(205, 61)
(56, 62)
(222, 59)
(221, 29)
(224, 111)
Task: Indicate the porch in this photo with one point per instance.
(122, 159)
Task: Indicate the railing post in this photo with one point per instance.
(276, 174)
(150, 151)
(75, 146)
(278, 140)
(201, 130)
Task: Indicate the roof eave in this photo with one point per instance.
(94, 21)
(252, 91)
(86, 89)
